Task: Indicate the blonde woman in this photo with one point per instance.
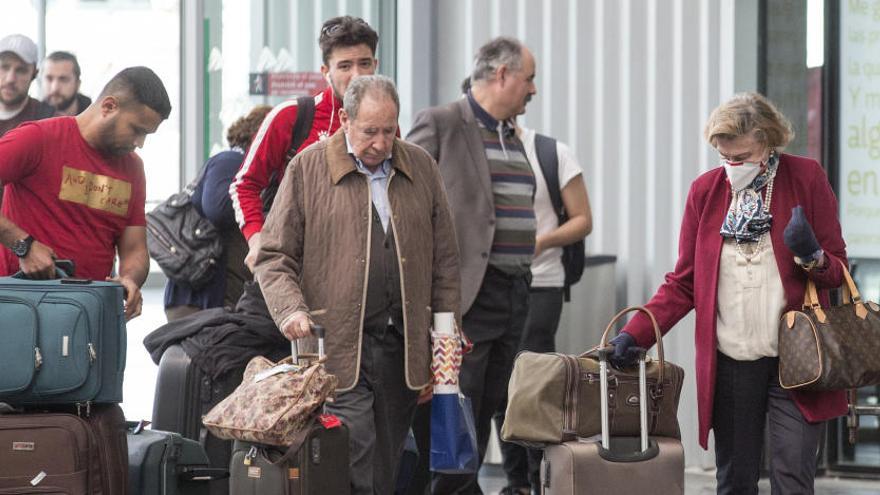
(754, 229)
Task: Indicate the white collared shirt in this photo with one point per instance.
(378, 184)
(751, 299)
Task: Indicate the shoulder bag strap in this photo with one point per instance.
(545, 148)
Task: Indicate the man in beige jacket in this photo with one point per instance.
(361, 241)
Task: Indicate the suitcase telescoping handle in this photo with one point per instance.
(603, 394)
(317, 331)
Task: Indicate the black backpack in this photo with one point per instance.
(186, 245)
(305, 115)
(573, 255)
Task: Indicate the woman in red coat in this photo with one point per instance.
(754, 229)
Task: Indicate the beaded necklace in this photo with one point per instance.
(758, 246)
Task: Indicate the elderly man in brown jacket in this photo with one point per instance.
(361, 240)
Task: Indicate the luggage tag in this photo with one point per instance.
(329, 421)
(38, 478)
(281, 368)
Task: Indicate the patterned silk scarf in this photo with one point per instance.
(746, 220)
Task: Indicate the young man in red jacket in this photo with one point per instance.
(348, 45)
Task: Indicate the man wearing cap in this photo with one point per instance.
(18, 68)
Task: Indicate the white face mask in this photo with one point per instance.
(741, 174)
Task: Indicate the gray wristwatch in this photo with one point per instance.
(21, 247)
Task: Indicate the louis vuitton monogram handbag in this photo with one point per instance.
(833, 348)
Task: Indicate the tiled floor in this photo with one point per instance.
(703, 483)
(140, 379)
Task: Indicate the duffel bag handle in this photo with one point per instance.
(657, 335)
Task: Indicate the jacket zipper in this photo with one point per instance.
(160, 236)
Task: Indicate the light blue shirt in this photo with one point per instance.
(378, 184)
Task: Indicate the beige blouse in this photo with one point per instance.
(750, 302)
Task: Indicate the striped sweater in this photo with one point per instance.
(513, 191)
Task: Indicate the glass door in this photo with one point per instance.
(864, 455)
(111, 35)
(265, 52)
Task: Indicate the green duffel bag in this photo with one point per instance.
(554, 398)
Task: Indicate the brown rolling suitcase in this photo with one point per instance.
(620, 465)
(58, 452)
(108, 425)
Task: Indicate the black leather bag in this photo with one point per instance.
(186, 245)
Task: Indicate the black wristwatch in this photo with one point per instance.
(21, 247)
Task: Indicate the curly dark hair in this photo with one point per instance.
(345, 31)
(242, 131)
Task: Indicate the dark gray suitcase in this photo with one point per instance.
(619, 465)
(318, 466)
(165, 463)
(316, 463)
(183, 395)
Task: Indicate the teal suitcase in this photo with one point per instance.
(165, 463)
(64, 341)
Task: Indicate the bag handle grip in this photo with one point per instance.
(658, 336)
(850, 293)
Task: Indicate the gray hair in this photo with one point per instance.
(497, 52)
(360, 86)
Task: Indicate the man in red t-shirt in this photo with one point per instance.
(75, 189)
(348, 45)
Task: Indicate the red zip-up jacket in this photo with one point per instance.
(266, 154)
(694, 282)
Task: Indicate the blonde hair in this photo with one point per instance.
(748, 113)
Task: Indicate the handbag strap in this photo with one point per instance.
(850, 293)
(298, 440)
(658, 337)
(191, 187)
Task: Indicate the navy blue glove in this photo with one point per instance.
(626, 353)
(799, 235)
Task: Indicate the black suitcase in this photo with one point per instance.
(319, 466)
(183, 395)
(165, 463)
(316, 463)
